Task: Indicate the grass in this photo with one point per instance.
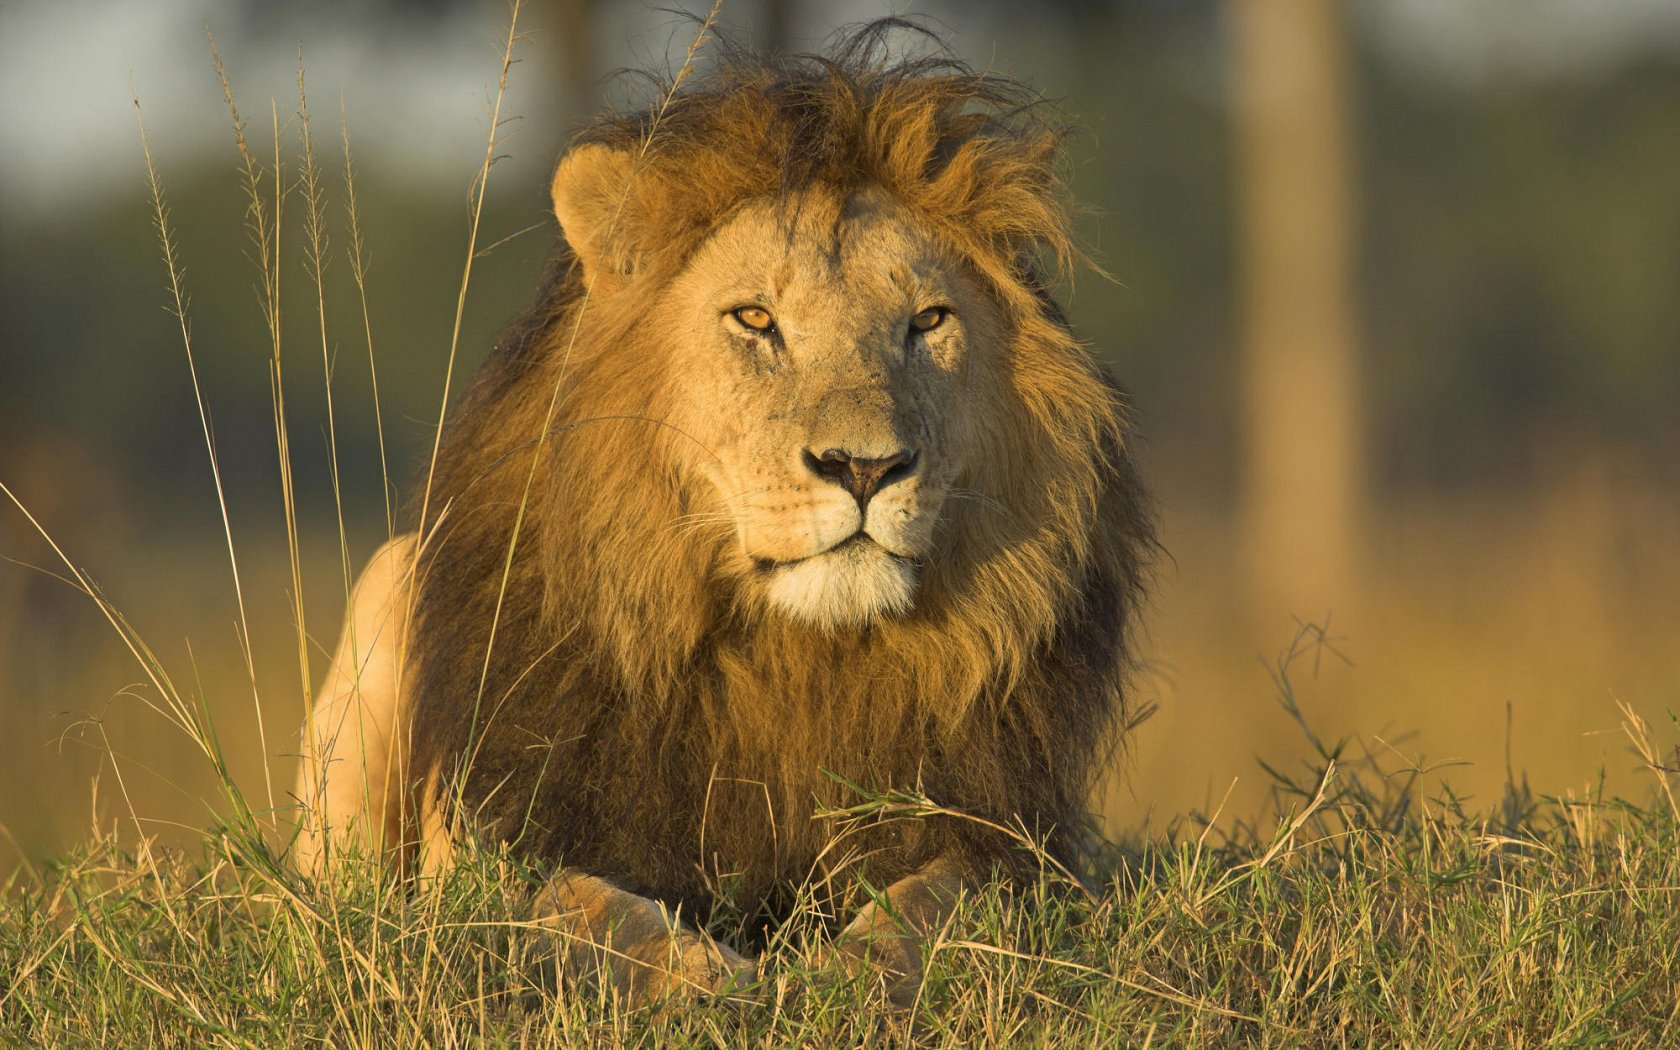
(1366, 915)
(1362, 910)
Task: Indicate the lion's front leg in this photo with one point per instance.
(353, 762)
(635, 944)
(886, 937)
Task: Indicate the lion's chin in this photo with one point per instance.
(849, 586)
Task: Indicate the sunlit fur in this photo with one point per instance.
(847, 588)
(654, 709)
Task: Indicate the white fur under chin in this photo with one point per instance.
(847, 587)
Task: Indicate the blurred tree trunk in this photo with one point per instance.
(775, 26)
(1303, 462)
(572, 35)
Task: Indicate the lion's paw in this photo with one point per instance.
(700, 967)
(890, 963)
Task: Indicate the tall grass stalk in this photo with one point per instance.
(315, 264)
(178, 308)
(263, 227)
(358, 270)
(481, 184)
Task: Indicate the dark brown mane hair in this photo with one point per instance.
(635, 716)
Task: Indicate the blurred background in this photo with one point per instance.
(1397, 294)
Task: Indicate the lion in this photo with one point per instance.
(794, 482)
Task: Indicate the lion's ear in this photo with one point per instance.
(592, 201)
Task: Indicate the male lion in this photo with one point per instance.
(795, 478)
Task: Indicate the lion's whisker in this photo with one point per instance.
(982, 499)
(729, 497)
(701, 516)
(693, 525)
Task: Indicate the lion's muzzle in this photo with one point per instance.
(861, 476)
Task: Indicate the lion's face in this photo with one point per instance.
(829, 360)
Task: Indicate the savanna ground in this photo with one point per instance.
(1384, 874)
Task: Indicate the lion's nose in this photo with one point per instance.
(861, 477)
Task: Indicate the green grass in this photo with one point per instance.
(1370, 916)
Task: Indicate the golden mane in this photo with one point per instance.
(636, 716)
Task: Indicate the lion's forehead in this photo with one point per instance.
(855, 260)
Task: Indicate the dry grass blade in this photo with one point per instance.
(481, 183)
(1285, 840)
(1638, 732)
(358, 270)
(262, 223)
(175, 706)
(1165, 991)
(315, 262)
(178, 309)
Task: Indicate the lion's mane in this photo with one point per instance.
(636, 717)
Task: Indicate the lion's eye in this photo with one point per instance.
(928, 319)
(755, 317)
